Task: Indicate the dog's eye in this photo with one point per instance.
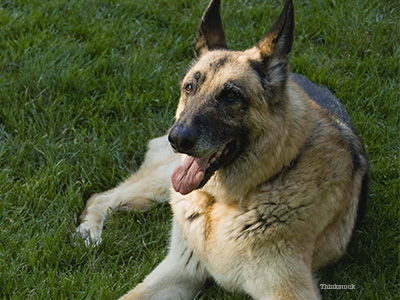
(232, 96)
(229, 96)
(189, 89)
(231, 93)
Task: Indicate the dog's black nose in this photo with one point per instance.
(182, 139)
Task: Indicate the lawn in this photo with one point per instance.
(84, 85)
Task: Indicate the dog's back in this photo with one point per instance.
(337, 112)
(323, 97)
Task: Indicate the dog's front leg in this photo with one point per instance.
(179, 276)
(151, 183)
(282, 277)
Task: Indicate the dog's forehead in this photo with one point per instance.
(222, 65)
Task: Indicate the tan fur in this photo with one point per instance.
(151, 183)
(264, 223)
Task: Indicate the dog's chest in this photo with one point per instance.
(209, 230)
(224, 236)
(198, 216)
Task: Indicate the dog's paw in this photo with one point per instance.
(90, 236)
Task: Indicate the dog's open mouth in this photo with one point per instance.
(193, 173)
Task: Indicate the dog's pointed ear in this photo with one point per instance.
(211, 32)
(279, 39)
(273, 50)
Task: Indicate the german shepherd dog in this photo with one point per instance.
(265, 174)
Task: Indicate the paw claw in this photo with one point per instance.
(92, 238)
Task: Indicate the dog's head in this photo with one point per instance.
(222, 95)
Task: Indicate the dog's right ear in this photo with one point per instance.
(211, 34)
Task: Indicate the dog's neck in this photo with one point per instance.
(269, 153)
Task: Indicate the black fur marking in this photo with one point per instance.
(196, 76)
(259, 69)
(218, 64)
(184, 251)
(362, 201)
(267, 215)
(190, 257)
(252, 227)
(355, 157)
(323, 97)
(193, 216)
(199, 78)
(197, 266)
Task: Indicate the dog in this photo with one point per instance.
(266, 176)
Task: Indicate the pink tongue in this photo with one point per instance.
(188, 175)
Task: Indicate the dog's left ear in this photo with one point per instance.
(211, 34)
(279, 39)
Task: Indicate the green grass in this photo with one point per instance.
(84, 85)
